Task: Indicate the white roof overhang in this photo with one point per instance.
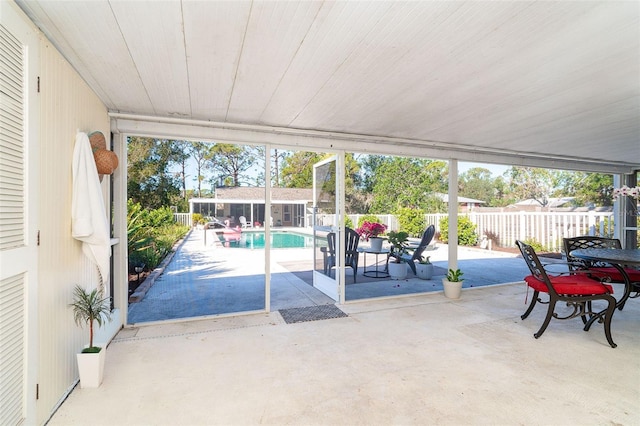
(548, 84)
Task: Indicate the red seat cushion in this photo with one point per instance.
(570, 284)
(615, 275)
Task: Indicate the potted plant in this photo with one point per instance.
(424, 268)
(87, 309)
(397, 268)
(371, 231)
(452, 284)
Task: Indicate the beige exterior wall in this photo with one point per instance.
(66, 106)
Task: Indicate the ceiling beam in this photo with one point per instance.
(302, 139)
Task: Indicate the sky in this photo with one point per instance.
(496, 169)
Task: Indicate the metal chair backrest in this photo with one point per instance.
(586, 242)
(536, 268)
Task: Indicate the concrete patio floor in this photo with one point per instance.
(413, 360)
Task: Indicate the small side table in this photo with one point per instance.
(374, 271)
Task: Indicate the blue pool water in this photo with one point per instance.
(256, 240)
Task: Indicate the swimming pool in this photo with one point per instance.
(256, 240)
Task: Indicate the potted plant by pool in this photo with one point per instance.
(424, 268)
(89, 308)
(452, 284)
(397, 266)
(371, 231)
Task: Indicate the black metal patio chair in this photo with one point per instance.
(600, 270)
(577, 290)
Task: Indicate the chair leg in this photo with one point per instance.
(552, 307)
(607, 320)
(534, 300)
(584, 317)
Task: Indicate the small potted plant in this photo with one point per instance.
(90, 307)
(452, 284)
(397, 268)
(424, 268)
(371, 231)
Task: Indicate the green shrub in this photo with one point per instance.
(466, 231)
(369, 218)
(534, 244)
(412, 221)
(150, 234)
(197, 218)
(348, 222)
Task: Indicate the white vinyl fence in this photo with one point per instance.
(183, 218)
(546, 228)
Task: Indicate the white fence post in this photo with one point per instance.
(183, 219)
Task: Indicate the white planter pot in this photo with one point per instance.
(424, 270)
(397, 271)
(91, 368)
(452, 290)
(376, 243)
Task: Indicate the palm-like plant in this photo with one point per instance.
(90, 307)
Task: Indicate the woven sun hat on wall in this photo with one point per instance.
(106, 161)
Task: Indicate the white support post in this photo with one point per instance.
(267, 229)
(453, 214)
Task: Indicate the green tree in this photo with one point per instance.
(201, 154)
(297, 169)
(588, 188)
(181, 157)
(502, 196)
(477, 183)
(408, 182)
(230, 163)
(278, 159)
(150, 181)
(529, 182)
(369, 165)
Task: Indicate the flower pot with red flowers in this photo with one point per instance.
(371, 231)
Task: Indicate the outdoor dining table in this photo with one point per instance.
(618, 258)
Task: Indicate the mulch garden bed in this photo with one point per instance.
(134, 283)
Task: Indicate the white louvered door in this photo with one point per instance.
(18, 256)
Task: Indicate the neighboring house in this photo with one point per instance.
(288, 205)
(466, 204)
(532, 204)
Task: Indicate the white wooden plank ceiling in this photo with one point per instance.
(554, 79)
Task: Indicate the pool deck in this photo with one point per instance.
(208, 279)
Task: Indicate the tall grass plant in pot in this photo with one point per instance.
(452, 284)
(89, 308)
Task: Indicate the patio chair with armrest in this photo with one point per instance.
(415, 253)
(244, 223)
(351, 256)
(600, 270)
(577, 290)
